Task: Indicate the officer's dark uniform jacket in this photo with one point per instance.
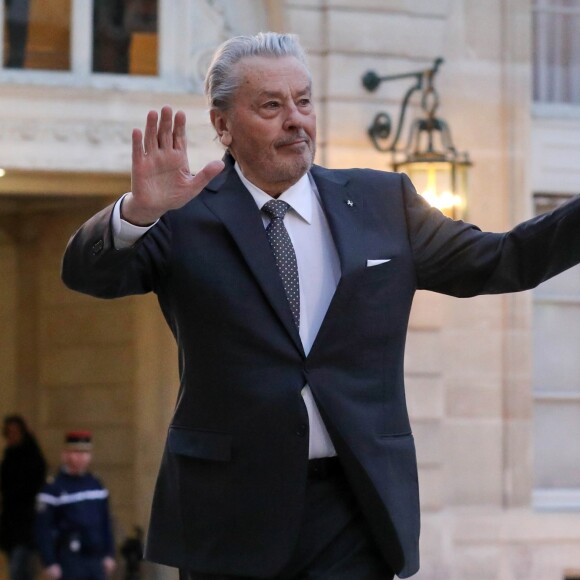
(73, 518)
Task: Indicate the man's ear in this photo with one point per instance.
(220, 122)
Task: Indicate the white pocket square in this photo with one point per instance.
(377, 262)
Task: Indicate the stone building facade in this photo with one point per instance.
(69, 361)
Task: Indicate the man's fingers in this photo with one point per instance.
(179, 137)
(137, 141)
(204, 176)
(168, 134)
(164, 133)
(150, 140)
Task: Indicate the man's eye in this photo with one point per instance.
(271, 105)
(304, 102)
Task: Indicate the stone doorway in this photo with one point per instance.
(69, 361)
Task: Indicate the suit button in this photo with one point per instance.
(302, 430)
(97, 247)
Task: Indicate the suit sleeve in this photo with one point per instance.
(457, 258)
(92, 265)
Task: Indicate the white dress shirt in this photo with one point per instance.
(318, 273)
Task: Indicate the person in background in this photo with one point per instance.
(73, 523)
(22, 474)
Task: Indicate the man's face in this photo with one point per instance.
(75, 461)
(270, 128)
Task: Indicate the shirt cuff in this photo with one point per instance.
(125, 234)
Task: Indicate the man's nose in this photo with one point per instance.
(293, 117)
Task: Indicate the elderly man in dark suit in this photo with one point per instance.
(288, 288)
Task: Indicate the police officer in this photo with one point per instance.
(73, 524)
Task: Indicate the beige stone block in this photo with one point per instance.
(470, 83)
(424, 353)
(518, 400)
(317, 66)
(120, 482)
(380, 33)
(347, 123)
(519, 19)
(477, 526)
(425, 397)
(309, 25)
(471, 380)
(87, 405)
(8, 370)
(477, 563)
(544, 561)
(527, 526)
(472, 355)
(50, 257)
(304, 3)
(519, 353)
(84, 364)
(86, 324)
(144, 488)
(53, 289)
(429, 311)
(518, 468)
(473, 463)
(467, 401)
(113, 445)
(124, 521)
(51, 440)
(345, 157)
(483, 29)
(520, 307)
(346, 71)
(9, 327)
(430, 485)
(426, 7)
(478, 314)
(488, 212)
(433, 547)
(429, 443)
(516, 562)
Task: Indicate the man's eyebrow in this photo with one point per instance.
(273, 94)
(269, 93)
(306, 90)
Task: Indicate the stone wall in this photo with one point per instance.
(68, 359)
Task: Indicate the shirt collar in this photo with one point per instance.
(298, 196)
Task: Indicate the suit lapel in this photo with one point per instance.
(232, 203)
(343, 208)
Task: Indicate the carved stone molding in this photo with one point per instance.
(88, 145)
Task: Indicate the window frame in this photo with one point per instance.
(563, 499)
(172, 34)
(546, 109)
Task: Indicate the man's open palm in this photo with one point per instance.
(160, 176)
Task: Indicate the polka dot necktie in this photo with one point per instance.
(283, 253)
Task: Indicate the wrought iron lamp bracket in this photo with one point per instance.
(382, 126)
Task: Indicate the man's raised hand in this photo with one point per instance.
(160, 175)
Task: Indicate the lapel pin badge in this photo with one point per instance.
(350, 203)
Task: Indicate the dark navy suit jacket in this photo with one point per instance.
(230, 488)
